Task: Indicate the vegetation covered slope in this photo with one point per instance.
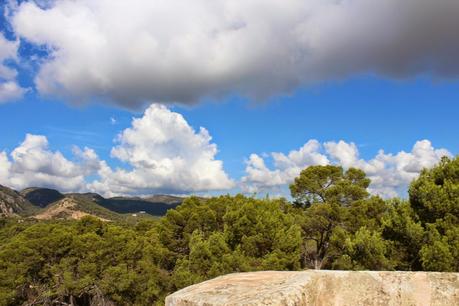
(333, 223)
(41, 197)
(74, 207)
(155, 205)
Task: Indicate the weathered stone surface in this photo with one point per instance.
(12, 204)
(322, 288)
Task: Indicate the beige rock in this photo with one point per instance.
(322, 288)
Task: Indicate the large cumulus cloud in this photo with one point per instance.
(129, 52)
(165, 155)
(34, 164)
(160, 153)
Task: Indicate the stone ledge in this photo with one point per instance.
(322, 288)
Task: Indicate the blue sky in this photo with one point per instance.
(370, 111)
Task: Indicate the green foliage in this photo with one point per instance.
(62, 261)
(333, 223)
(434, 196)
(403, 230)
(435, 193)
(363, 250)
(441, 250)
(227, 234)
(334, 201)
(329, 184)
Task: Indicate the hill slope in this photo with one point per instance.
(155, 205)
(74, 207)
(13, 203)
(45, 203)
(41, 197)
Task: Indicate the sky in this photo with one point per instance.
(143, 97)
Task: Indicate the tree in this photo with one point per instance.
(435, 193)
(176, 228)
(434, 196)
(329, 184)
(249, 235)
(440, 252)
(326, 194)
(363, 250)
(404, 232)
(263, 230)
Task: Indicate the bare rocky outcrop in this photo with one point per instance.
(12, 204)
(322, 288)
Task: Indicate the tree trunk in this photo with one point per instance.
(317, 264)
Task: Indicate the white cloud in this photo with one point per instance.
(8, 50)
(260, 178)
(166, 155)
(162, 153)
(390, 173)
(345, 154)
(33, 164)
(9, 89)
(4, 168)
(173, 50)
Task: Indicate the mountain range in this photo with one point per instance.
(45, 203)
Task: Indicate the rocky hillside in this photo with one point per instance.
(323, 288)
(13, 204)
(74, 208)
